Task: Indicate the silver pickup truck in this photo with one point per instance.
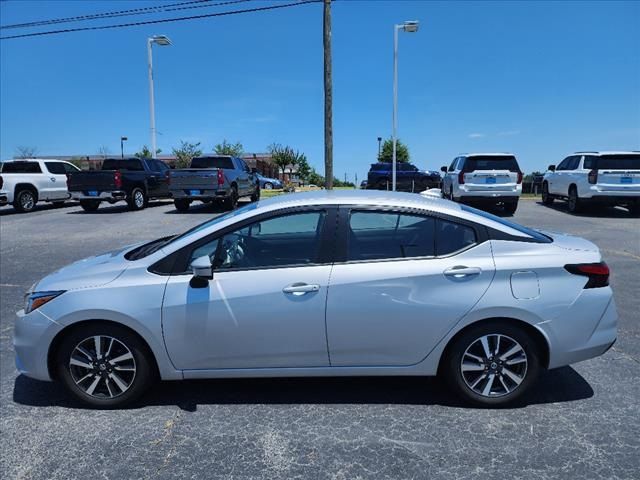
(217, 178)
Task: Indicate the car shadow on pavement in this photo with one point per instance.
(594, 211)
(559, 385)
(40, 207)
(106, 208)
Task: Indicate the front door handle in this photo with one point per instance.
(461, 271)
(53, 179)
(300, 288)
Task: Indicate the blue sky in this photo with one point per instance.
(538, 79)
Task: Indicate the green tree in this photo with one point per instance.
(402, 151)
(315, 178)
(304, 169)
(146, 153)
(226, 148)
(185, 153)
(285, 156)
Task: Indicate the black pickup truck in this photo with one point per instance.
(134, 180)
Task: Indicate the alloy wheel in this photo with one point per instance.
(494, 365)
(102, 366)
(27, 201)
(138, 198)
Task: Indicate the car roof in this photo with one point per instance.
(494, 154)
(620, 152)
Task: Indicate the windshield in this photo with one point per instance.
(527, 231)
(492, 162)
(615, 162)
(212, 162)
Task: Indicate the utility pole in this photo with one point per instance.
(345, 177)
(328, 99)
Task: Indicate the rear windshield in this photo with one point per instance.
(129, 164)
(491, 162)
(21, 167)
(527, 231)
(613, 162)
(212, 162)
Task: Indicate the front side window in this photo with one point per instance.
(452, 167)
(564, 164)
(382, 235)
(56, 168)
(287, 240)
(70, 168)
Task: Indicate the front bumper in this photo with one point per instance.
(112, 196)
(32, 338)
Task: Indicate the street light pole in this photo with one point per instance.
(163, 41)
(122, 140)
(408, 26)
(379, 147)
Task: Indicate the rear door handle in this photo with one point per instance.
(462, 271)
(300, 288)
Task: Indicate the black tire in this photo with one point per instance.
(136, 381)
(231, 202)
(268, 186)
(547, 198)
(90, 205)
(25, 200)
(256, 194)
(634, 208)
(451, 366)
(451, 194)
(137, 199)
(573, 202)
(511, 207)
(182, 204)
(59, 204)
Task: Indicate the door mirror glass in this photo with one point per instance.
(443, 169)
(552, 168)
(202, 268)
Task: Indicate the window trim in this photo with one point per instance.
(342, 234)
(176, 263)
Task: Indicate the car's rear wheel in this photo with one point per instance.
(256, 194)
(181, 204)
(491, 364)
(268, 186)
(25, 201)
(574, 204)
(90, 205)
(104, 365)
(547, 198)
(510, 207)
(137, 199)
(231, 202)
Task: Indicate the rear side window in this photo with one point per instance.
(56, 168)
(21, 167)
(212, 162)
(133, 164)
(491, 162)
(452, 237)
(70, 168)
(616, 162)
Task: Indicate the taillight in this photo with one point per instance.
(461, 178)
(519, 178)
(117, 179)
(220, 177)
(593, 177)
(597, 273)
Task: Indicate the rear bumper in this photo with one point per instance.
(489, 197)
(186, 194)
(112, 196)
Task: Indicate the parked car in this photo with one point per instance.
(134, 180)
(484, 179)
(26, 182)
(322, 284)
(267, 183)
(408, 177)
(595, 178)
(218, 178)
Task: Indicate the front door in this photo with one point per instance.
(55, 182)
(264, 308)
(407, 281)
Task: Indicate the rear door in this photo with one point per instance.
(404, 280)
(616, 173)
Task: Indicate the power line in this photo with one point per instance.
(166, 20)
(123, 13)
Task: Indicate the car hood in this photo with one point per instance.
(570, 242)
(89, 272)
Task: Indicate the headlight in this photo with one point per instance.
(34, 300)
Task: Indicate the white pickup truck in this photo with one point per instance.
(24, 183)
(595, 178)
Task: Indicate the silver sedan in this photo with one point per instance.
(324, 284)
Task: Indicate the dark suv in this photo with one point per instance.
(408, 177)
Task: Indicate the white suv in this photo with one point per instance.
(482, 178)
(604, 178)
(26, 182)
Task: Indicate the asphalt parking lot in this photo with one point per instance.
(583, 421)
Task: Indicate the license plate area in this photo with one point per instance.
(626, 180)
(194, 192)
(490, 180)
(92, 193)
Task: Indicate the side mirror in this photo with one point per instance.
(443, 169)
(254, 170)
(202, 268)
(552, 168)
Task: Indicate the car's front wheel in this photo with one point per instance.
(182, 204)
(104, 365)
(491, 364)
(90, 205)
(547, 198)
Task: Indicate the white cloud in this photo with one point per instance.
(509, 133)
(476, 135)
